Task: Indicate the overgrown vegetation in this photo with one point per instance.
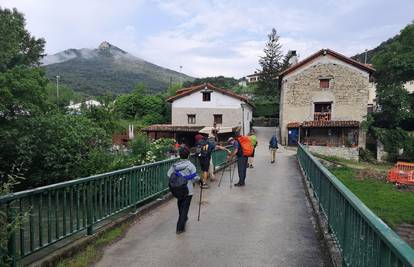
(394, 119)
(13, 178)
(92, 253)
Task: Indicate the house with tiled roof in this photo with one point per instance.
(204, 107)
(323, 102)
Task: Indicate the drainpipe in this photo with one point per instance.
(242, 106)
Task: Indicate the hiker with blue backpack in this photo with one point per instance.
(182, 175)
(273, 148)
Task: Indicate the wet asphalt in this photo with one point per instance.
(266, 223)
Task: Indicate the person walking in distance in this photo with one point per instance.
(242, 158)
(182, 175)
(273, 148)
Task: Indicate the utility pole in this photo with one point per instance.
(242, 106)
(57, 90)
(181, 78)
(366, 51)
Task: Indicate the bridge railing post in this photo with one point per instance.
(89, 208)
(11, 244)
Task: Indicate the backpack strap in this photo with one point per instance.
(187, 177)
(190, 176)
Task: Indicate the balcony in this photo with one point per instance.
(322, 116)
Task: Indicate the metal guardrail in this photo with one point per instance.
(363, 238)
(61, 210)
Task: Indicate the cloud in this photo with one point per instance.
(214, 37)
(75, 23)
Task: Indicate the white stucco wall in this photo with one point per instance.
(229, 107)
(409, 86)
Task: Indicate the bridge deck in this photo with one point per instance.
(265, 223)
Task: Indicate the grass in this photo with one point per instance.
(383, 167)
(393, 206)
(93, 252)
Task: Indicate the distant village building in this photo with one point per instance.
(203, 108)
(372, 104)
(323, 102)
(87, 104)
(253, 78)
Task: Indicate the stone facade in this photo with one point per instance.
(349, 153)
(347, 93)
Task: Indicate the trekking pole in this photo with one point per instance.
(222, 173)
(234, 170)
(199, 203)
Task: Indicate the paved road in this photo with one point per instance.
(265, 223)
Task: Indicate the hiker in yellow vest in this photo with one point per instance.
(253, 138)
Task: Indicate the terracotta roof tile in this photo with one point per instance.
(171, 128)
(325, 124)
(293, 125)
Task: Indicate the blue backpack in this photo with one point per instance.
(178, 184)
(273, 142)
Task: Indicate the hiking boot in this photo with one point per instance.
(179, 232)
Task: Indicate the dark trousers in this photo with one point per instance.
(183, 207)
(241, 168)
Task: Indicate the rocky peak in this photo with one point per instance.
(104, 45)
(107, 46)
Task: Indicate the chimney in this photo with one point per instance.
(293, 58)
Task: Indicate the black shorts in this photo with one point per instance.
(204, 163)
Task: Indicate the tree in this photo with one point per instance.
(395, 63)
(22, 83)
(394, 104)
(18, 48)
(219, 81)
(286, 60)
(271, 66)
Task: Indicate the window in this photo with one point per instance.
(323, 107)
(191, 118)
(322, 111)
(218, 118)
(324, 83)
(206, 96)
(370, 108)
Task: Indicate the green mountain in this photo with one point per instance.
(371, 53)
(107, 69)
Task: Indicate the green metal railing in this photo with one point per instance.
(363, 238)
(58, 211)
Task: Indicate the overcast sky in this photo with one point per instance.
(211, 38)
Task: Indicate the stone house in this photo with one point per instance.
(202, 108)
(323, 102)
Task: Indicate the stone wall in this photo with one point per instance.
(349, 153)
(265, 122)
(348, 93)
